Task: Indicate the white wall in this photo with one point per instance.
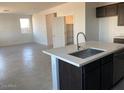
(108, 29)
(92, 23)
(77, 10)
(10, 32)
(39, 29)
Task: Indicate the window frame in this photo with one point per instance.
(25, 30)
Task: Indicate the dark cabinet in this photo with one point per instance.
(105, 11)
(111, 10)
(121, 14)
(79, 78)
(70, 77)
(100, 12)
(119, 40)
(107, 72)
(118, 68)
(100, 74)
(92, 75)
(92, 80)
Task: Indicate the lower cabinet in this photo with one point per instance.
(107, 72)
(118, 66)
(92, 80)
(107, 76)
(93, 76)
(70, 77)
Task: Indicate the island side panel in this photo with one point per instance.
(55, 73)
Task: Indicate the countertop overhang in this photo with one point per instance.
(62, 53)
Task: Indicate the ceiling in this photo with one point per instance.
(27, 8)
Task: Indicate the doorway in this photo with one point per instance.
(69, 30)
(59, 30)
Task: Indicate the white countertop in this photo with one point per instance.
(120, 37)
(63, 52)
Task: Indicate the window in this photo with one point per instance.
(25, 25)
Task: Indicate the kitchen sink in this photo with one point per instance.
(86, 53)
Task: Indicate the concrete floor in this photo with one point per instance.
(24, 67)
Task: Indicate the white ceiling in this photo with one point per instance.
(26, 8)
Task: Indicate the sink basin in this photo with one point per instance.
(86, 53)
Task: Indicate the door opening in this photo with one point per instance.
(69, 30)
(62, 30)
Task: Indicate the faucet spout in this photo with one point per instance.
(78, 47)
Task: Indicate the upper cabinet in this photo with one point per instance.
(100, 12)
(105, 11)
(121, 14)
(112, 10)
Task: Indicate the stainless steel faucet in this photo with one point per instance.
(78, 47)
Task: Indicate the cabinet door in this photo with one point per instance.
(70, 77)
(92, 80)
(92, 75)
(100, 12)
(121, 14)
(111, 10)
(107, 72)
(118, 68)
(107, 75)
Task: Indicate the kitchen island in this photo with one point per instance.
(99, 71)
